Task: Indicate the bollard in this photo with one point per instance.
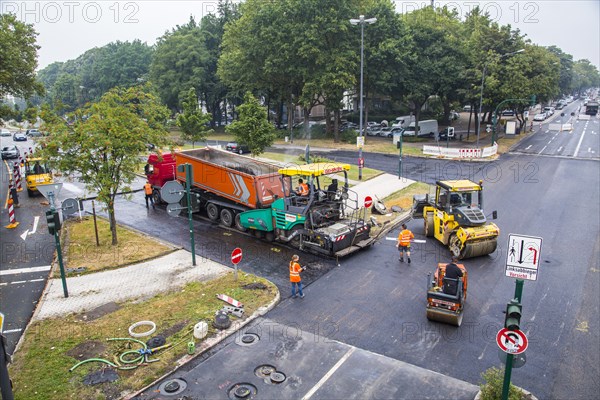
(17, 175)
(11, 215)
(13, 193)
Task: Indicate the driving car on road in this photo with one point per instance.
(235, 147)
(539, 117)
(10, 152)
(4, 132)
(19, 137)
(33, 133)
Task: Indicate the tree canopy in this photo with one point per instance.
(102, 145)
(18, 58)
(252, 127)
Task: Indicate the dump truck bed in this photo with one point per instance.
(244, 180)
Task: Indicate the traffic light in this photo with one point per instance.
(53, 221)
(512, 319)
(532, 100)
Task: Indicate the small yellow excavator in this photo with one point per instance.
(446, 297)
(36, 173)
(453, 214)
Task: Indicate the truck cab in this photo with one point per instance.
(36, 173)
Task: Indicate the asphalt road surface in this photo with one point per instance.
(373, 303)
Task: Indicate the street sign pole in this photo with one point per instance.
(509, 357)
(58, 249)
(188, 185)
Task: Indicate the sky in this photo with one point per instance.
(69, 28)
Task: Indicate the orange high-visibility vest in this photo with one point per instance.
(295, 271)
(404, 237)
(303, 189)
(148, 188)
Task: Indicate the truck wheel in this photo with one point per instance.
(428, 224)
(238, 224)
(212, 211)
(156, 197)
(226, 217)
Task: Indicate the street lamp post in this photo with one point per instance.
(361, 21)
(481, 91)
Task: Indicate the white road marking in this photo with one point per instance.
(528, 147)
(559, 149)
(25, 270)
(325, 377)
(36, 220)
(579, 144)
(589, 149)
(542, 150)
(12, 330)
(19, 282)
(24, 235)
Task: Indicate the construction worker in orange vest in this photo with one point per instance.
(302, 188)
(148, 191)
(404, 238)
(295, 279)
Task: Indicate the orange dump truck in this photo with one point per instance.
(225, 184)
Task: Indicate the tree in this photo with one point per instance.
(18, 58)
(585, 75)
(193, 122)
(252, 127)
(31, 113)
(103, 143)
(179, 63)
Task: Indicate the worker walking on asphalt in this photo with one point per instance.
(403, 245)
(295, 279)
(148, 191)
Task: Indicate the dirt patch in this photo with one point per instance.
(100, 311)
(87, 350)
(170, 331)
(255, 286)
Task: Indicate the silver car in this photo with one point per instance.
(10, 152)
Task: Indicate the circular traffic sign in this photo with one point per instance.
(512, 342)
(236, 255)
(172, 192)
(368, 201)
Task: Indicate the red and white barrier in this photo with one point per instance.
(17, 176)
(11, 215)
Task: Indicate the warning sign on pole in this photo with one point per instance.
(368, 201)
(523, 257)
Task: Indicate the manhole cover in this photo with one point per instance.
(172, 387)
(242, 391)
(247, 339)
(277, 377)
(264, 371)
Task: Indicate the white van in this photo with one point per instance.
(428, 127)
(403, 122)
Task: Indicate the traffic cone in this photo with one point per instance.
(11, 215)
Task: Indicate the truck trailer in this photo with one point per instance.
(259, 197)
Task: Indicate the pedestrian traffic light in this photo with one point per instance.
(512, 320)
(53, 221)
(532, 100)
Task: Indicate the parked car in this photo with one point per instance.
(33, 133)
(374, 130)
(508, 113)
(4, 132)
(549, 111)
(10, 152)
(394, 131)
(540, 117)
(19, 137)
(467, 108)
(235, 147)
(385, 132)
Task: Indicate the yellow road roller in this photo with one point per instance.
(446, 297)
(453, 214)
